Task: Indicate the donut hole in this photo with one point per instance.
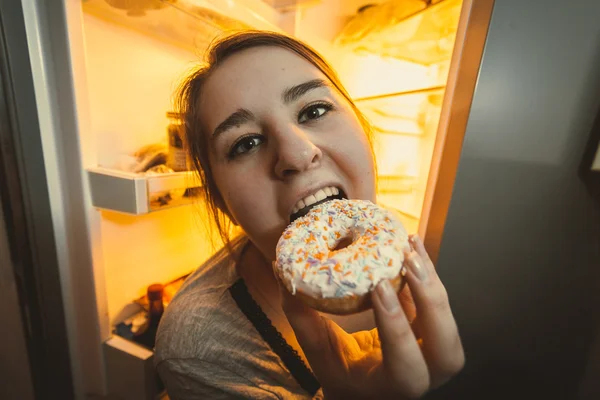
(343, 243)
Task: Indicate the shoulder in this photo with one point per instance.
(200, 310)
(194, 378)
(206, 346)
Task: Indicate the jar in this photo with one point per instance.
(177, 157)
(146, 334)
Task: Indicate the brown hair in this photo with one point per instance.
(190, 92)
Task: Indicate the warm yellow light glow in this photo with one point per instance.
(157, 247)
(368, 75)
(401, 68)
(424, 35)
(130, 91)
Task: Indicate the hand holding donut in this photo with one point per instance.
(333, 257)
(396, 359)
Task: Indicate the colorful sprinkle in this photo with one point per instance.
(305, 253)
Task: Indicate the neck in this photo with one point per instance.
(257, 272)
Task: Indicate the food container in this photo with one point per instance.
(177, 157)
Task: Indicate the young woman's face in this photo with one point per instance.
(281, 137)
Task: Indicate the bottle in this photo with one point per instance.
(146, 335)
(177, 158)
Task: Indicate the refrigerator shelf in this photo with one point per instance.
(422, 91)
(418, 31)
(188, 24)
(403, 113)
(406, 133)
(138, 194)
(390, 184)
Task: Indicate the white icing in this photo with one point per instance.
(307, 263)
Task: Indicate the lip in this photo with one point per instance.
(314, 190)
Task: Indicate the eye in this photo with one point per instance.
(314, 111)
(245, 144)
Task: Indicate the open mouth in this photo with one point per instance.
(321, 196)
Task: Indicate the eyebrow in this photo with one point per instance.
(241, 116)
(295, 92)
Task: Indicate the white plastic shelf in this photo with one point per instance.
(137, 194)
(402, 113)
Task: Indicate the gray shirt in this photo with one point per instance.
(206, 348)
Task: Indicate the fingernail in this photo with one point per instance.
(416, 266)
(415, 239)
(388, 296)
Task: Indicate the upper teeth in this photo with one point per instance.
(313, 198)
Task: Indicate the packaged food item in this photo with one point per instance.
(150, 156)
(177, 158)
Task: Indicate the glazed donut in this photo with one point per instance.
(313, 264)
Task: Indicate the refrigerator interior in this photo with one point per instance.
(393, 57)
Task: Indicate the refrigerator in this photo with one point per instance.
(481, 112)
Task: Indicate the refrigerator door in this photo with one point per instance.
(462, 80)
(60, 110)
(35, 355)
(520, 253)
(589, 170)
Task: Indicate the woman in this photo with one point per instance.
(268, 123)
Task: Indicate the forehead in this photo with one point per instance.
(255, 74)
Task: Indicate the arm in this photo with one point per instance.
(191, 378)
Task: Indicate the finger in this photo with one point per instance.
(442, 347)
(410, 310)
(407, 301)
(405, 296)
(403, 361)
(417, 245)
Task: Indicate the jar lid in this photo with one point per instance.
(155, 291)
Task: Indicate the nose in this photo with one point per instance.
(296, 152)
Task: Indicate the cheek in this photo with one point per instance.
(244, 191)
(354, 147)
(355, 157)
(233, 188)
